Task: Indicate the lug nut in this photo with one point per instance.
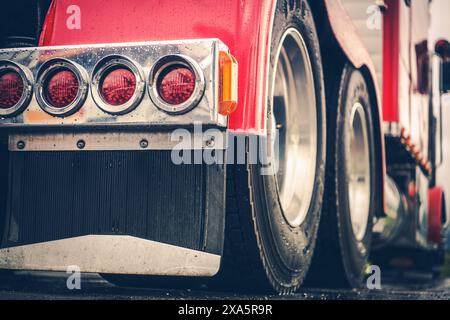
(143, 143)
(81, 144)
(21, 145)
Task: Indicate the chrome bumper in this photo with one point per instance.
(111, 254)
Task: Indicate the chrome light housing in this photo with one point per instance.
(103, 68)
(160, 68)
(50, 69)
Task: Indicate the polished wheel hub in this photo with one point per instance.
(293, 132)
(358, 171)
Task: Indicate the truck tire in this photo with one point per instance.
(273, 217)
(345, 232)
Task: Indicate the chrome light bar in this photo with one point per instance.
(145, 109)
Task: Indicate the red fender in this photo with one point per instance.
(435, 212)
(351, 44)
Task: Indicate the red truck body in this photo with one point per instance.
(244, 26)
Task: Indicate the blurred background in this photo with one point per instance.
(367, 18)
(440, 28)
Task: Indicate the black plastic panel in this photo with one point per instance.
(56, 195)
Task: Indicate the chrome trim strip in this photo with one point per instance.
(27, 78)
(155, 73)
(46, 70)
(101, 141)
(105, 65)
(111, 254)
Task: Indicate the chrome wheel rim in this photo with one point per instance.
(358, 171)
(293, 130)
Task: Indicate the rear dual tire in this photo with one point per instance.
(345, 234)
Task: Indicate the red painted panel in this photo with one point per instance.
(391, 54)
(244, 26)
(435, 211)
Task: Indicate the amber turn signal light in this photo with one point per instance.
(228, 85)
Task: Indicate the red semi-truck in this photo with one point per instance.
(323, 120)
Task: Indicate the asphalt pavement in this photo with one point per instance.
(53, 286)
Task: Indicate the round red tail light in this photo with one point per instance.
(118, 86)
(61, 88)
(176, 84)
(16, 88)
(11, 89)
